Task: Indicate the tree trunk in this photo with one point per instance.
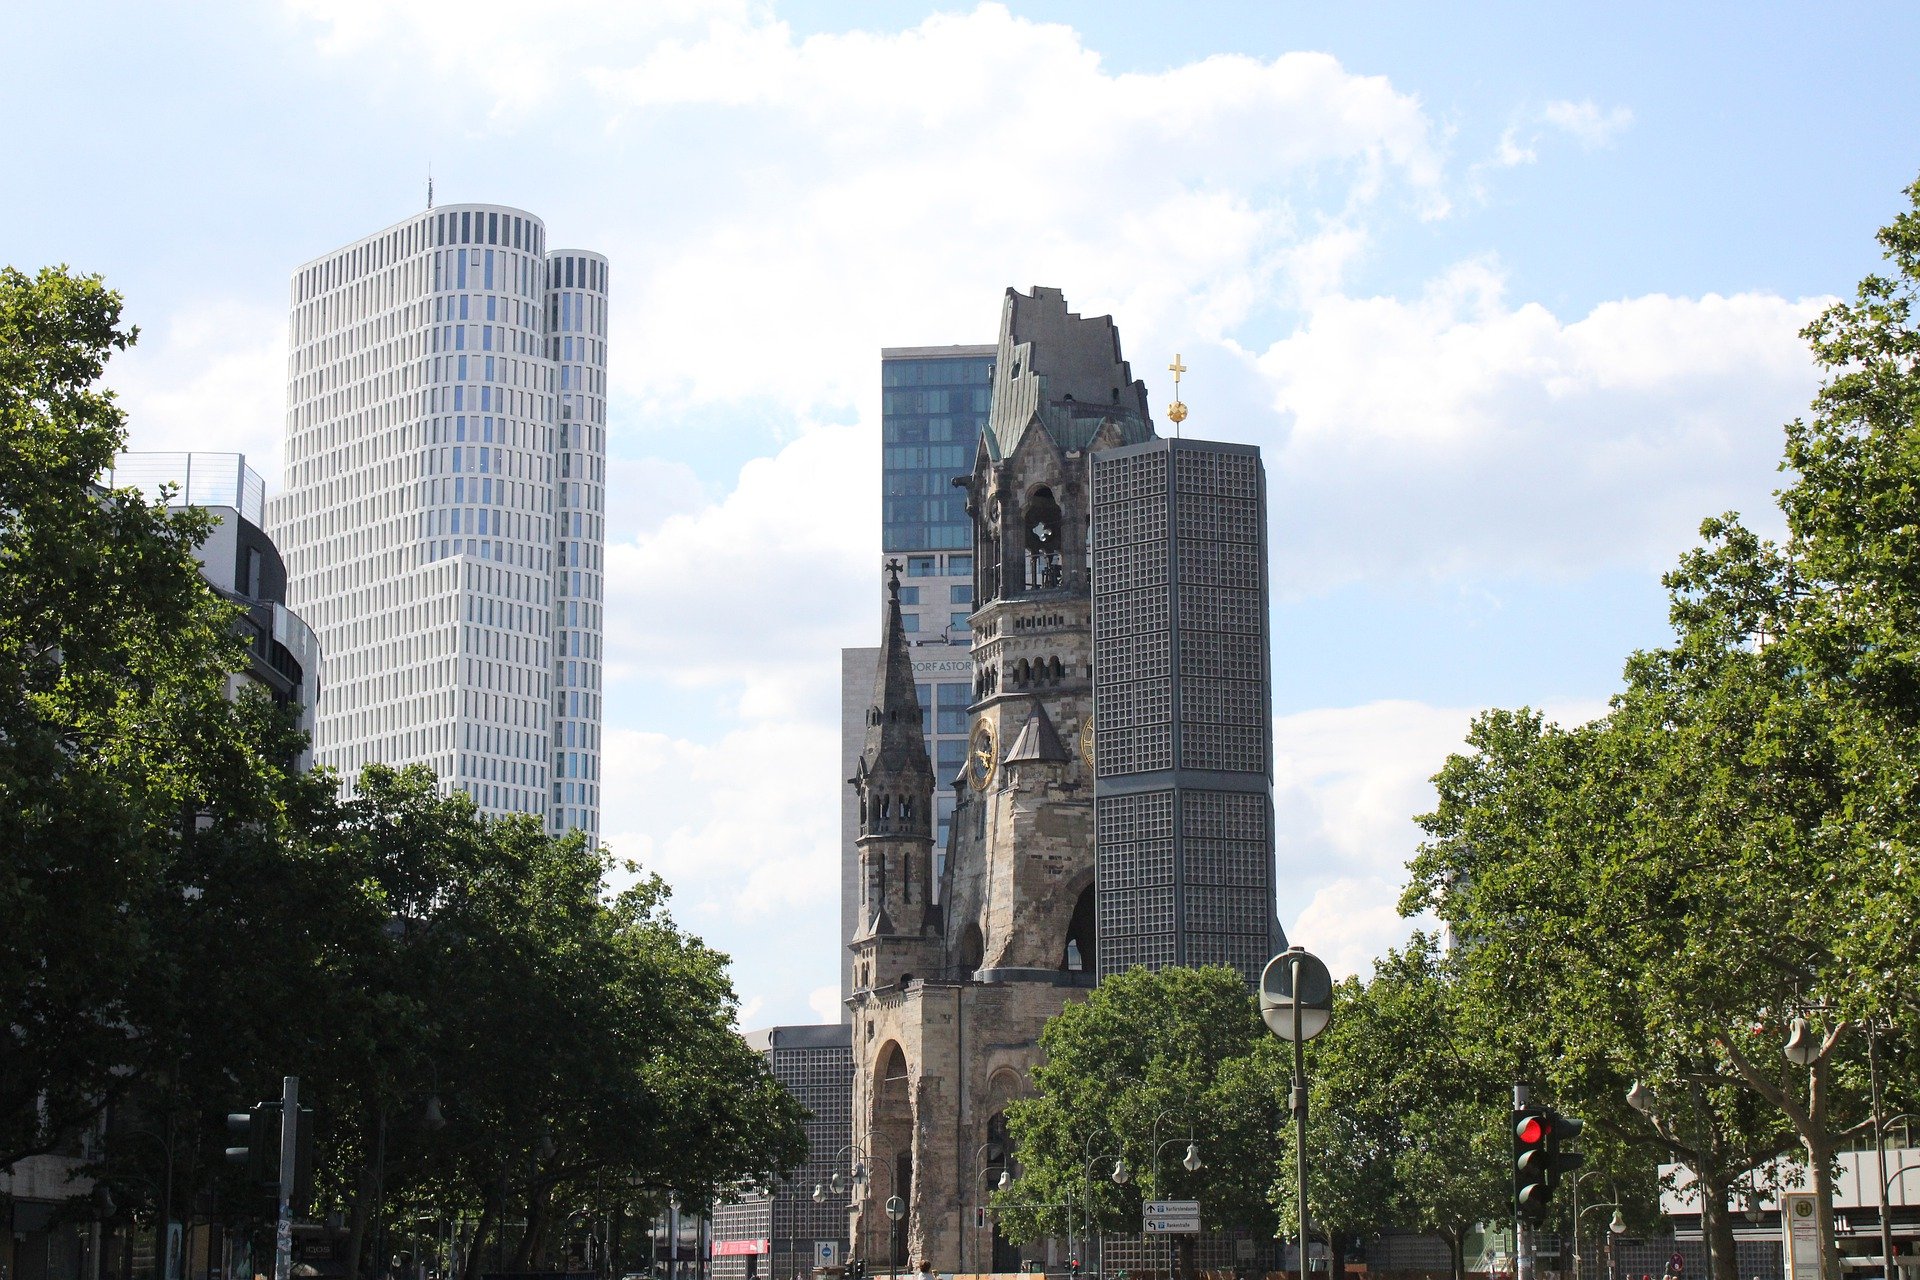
(357, 1217)
(1820, 1160)
(1716, 1227)
(1456, 1252)
(1337, 1254)
(1189, 1249)
(534, 1238)
(488, 1223)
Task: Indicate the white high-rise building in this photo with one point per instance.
(442, 520)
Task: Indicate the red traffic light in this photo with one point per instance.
(1530, 1130)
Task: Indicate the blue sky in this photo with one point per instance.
(1506, 293)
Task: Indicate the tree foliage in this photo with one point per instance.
(1150, 1062)
(1653, 897)
(122, 760)
(479, 1019)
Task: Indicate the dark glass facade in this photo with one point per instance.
(933, 406)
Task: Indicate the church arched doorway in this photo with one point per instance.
(891, 1156)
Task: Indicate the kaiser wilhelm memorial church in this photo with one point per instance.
(1115, 804)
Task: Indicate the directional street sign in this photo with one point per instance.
(1170, 1217)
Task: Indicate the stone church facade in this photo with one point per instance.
(954, 978)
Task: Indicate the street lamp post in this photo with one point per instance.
(1121, 1176)
(838, 1183)
(1296, 1002)
(1191, 1163)
(1880, 1149)
(1617, 1227)
(980, 1171)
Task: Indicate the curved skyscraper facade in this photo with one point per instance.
(577, 344)
(421, 518)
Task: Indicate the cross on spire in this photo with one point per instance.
(1176, 411)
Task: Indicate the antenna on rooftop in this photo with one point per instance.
(429, 184)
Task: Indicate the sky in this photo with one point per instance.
(1507, 294)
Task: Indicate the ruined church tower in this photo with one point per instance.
(954, 978)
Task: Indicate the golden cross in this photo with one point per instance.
(1177, 411)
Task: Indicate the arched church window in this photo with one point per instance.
(1040, 529)
(972, 949)
(1077, 954)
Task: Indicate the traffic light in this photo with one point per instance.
(1531, 1189)
(1560, 1131)
(258, 1131)
(1540, 1135)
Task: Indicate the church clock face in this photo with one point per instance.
(981, 756)
(1086, 741)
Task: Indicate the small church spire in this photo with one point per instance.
(894, 743)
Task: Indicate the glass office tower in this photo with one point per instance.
(933, 407)
(432, 502)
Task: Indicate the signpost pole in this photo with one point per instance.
(1300, 1116)
(1296, 1003)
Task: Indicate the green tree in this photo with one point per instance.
(1351, 1139)
(1654, 896)
(518, 1037)
(1406, 1115)
(124, 765)
(1148, 1063)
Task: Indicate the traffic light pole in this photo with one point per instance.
(1300, 1118)
(1522, 1229)
(289, 1157)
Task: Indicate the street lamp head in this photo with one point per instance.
(860, 1173)
(819, 1193)
(838, 1182)
(433, 1118)
(1619, 1224)
(1006, 1179)
(1801, 1047)
(1193, 1163)
(1641, 1099)
(1121, 1174)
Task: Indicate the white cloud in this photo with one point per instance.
(745, 827)
(825, 1003)
(496, 51)
(755, 593)
(1588, 124)
(1585, 122)
(211, 376)
(1458, 434)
